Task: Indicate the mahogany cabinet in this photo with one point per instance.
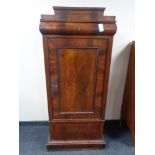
(128, 105)
(77, 50)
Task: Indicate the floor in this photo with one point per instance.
(33, 137)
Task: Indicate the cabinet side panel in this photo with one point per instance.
(107, 73)
(46, 62)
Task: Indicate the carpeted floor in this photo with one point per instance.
(32, 140)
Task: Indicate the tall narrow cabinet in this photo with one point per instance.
(77, 45)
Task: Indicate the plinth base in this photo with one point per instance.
(69, 144)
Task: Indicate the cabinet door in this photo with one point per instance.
(76, 72)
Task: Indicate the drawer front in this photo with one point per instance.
(76, 130)
(76, 71)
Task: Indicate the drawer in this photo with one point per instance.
(76, 130)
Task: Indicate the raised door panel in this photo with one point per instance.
(77, 68)
(77, 76)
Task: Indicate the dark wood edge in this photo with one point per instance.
(107, 73)
(79, 8)
(54, 144)
(78, 36)
(92, 29)
(48, 82)
(76, 121)
(52, 18)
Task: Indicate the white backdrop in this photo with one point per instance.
(33, 99)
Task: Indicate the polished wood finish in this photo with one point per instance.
(128, 107)
(78, 80)
(77, 63)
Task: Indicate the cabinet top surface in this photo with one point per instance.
(78, 8)
(78, 21)
(78, 14)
